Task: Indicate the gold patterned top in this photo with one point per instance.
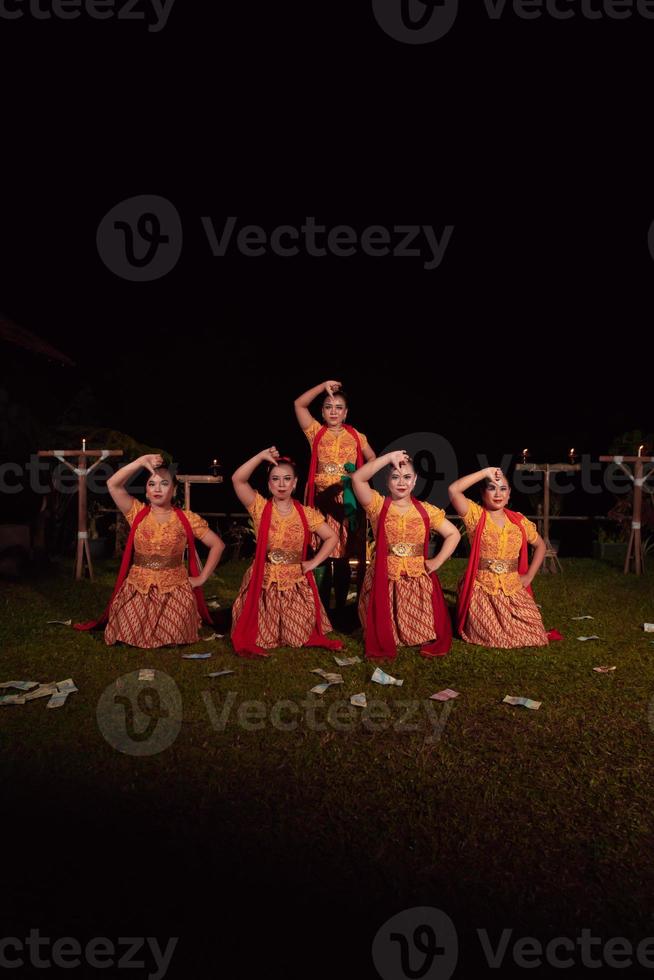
(166, 540)
(404, 527)
(498, 542)
(286, 535)
(334, 449)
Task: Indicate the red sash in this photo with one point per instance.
(379, 630)
(244, 634)
(465, 593)
(313, 466)
(127, 561)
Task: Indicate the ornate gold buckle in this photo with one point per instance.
(402, 549)
(332, 469)
(498, 566)
(276, 557)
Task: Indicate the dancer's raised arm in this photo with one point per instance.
(302, 413)
(457, 489)
(241, 476)
(117, 482)
(362, 476)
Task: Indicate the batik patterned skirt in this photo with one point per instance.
(286, 618)
(412, 612)
(153, 619)
(504, 621)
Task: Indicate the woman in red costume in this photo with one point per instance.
(156, 602)
(278, 603)
(402, 601)
(496, 606)
(336, 450)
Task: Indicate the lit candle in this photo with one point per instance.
(525, 455)
(83, 445)
(640, 449)
(572, 455)
(214, 467)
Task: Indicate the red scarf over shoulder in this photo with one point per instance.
(244, 634)
(127, 561)
(313, 466)
(465, 594)
(379, 628)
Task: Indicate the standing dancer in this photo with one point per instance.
(337, 449)
(155, 602)
(496, 606)
(278, 602)
(402, 601)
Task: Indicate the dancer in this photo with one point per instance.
(278, 602)
(496, 606)
(402, 601)
(337, 449)
(155, 601)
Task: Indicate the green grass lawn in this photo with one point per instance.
(534, 819)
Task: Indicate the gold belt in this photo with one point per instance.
(332, 469)
(157, 561)
(404, 549)
(280, 557)
(501, 566)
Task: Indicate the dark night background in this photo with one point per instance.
(533, 138)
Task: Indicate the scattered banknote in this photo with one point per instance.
(42, 691)
(12, 699)
(381, 677)
(146, 674)
(59, 622)
(526, 702)
(214, 604)
(583, 617)
(359, 700)
(196, 656)
(584, 638)
(320, 688)
(20, 685)
(332, 678)
(648, 627)
(67, 685)
(214, 636)
(57, 699)
(603, 670)
(347, 661)
(220, 673)
(445, 695)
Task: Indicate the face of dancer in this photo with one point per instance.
(282, 482)
(334, 411)
(495, 495)
(160, 489)
(401, 482)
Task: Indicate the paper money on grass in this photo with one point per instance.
(13, 699)
(67, 685)
(359, 700)
(146, 674)
(214, 636)
(20, 685)
(603, 670)
(381, 677)
(523, 702)
(445, 695)
(584, 638)
(42, 691)
(196, 656)
(332, 678)
(583, 617)
(59, 622)
(57, 699)
(648, 627)
(347, 661)
(220, 673)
